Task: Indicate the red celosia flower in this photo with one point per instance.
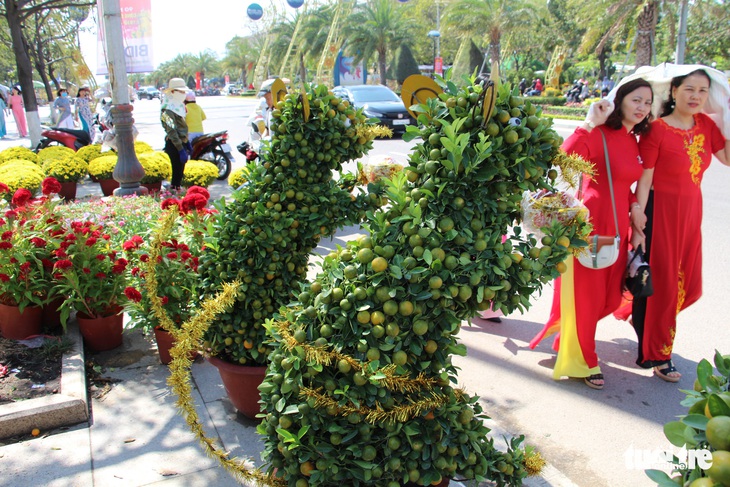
(21, 197)
(90, 241)
(170, 202)
(100, 257)
(7, 235)
(47, 263)
(11, 214)
(164, 300)
(38, 242)
(172, 255)
(135, 271)
(133, 243)
(4, 277)
(63, 264)
(86, 270)
(5, 245)
(106, 237)
(25, 267)
(195, 201)
(132, 294)
(13, 260)
(100, 275)
(144, 257)
(4, 188)
(185, 256)
(50, 186)
(198, 190)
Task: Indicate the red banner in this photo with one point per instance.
(438, 66)
(198, 84)
(136, 35)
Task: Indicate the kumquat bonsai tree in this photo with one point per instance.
(265, 235)
(360, 388)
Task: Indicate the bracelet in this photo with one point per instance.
(635, 205)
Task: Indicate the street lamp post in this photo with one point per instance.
(435, 35)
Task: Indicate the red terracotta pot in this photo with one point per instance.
(68, 191)
(108, 186)
(101, 334)
(165, 342)
(153, 187)
(241, 383)
(15, 325)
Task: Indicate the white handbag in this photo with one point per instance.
(603, 250)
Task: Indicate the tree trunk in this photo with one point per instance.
(382, 66)
(302, 68)
(494, 52)
(25, 70)
(646, 27)
(602, 64)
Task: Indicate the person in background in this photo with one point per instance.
(676, 153)
(258, 122)
(194, 117)
(83, 112)
(583, 296)
(172, 117)
(63, 105)
(523, 86)
(17, 105)
(3, 109)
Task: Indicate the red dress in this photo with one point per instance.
(679, 158)
(596, 292)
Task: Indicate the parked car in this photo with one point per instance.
(377, 101)
(148, 92)
(232, 89)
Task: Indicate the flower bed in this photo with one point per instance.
(199, 173)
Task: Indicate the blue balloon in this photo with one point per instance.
(402, 1)
(295, 3)
(254, 11)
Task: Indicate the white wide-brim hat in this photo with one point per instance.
(660, 78)
(176, 84)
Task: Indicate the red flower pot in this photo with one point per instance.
(68, 191)
(242, 385)
(108, 186)
(15, 325)
(101, 334)
(165, 342)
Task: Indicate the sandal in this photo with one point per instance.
(663, 372)
(592, 381)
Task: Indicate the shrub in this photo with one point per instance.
(89, 152)
(199, 173)
(19, 173)
(552, 92)
(547, 100)
(54, 152)
(66, 169)
(576, 111)
(142, 147)
(240, 176)
(156, 167)
(18, 153)
(103, 167)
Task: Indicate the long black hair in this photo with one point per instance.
(615, 120)
(668, 106)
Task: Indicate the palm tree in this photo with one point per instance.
(375, 27)
(205, 62)
(240, 57)
(490, 18)
(623, 19)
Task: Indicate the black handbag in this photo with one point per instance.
(638, 275)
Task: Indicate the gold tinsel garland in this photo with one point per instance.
(572, 167)
(186, 337)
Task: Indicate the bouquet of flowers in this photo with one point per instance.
(542, 208)
(376, 169)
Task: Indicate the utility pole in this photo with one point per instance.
(682, 36)
(128, 170)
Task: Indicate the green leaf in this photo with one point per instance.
(723, 365)
(697, 421)
(674, 431)
(717, 406)
(704, 372)
(661, 478)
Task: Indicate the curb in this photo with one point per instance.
(68, 407)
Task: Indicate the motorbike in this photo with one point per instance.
(75, 138)
(214, 148)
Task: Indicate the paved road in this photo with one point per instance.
(585, 433)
